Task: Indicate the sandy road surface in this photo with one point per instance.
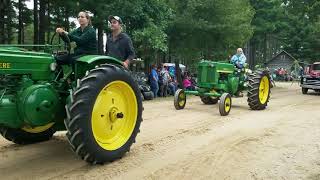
(282, 142)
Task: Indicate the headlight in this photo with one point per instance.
(53, 66)
(304, 79)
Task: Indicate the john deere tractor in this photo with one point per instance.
(94, 99)
(220, 81)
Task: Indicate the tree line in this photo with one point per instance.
(171, 30)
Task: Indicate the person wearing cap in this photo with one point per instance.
(239, 59)
(119, 44)
(84, 37)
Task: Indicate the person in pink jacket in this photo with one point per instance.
(187, 84)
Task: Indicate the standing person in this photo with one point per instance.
(172, 83)
(160, 81)
(239, 59)
(154, 81)
(165, 80)
(119, 44)
(84, 37)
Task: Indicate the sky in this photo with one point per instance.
(29, 4)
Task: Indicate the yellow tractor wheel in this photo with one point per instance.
(225, 104)
(259, 90)
(180, 99)
(105, 115)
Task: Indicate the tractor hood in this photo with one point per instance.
(17, 61)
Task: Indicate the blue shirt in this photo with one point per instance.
(241, 59)
(154, 74)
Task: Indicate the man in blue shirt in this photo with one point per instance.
(154, 79)
(239, 59)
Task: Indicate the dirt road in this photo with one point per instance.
(282, 142)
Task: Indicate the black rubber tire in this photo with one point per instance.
(209, 100)
(253, 90)
(222, 104)
(78, 121)
(148, 95)
(177, 99)
(22, 137)
(304, 90)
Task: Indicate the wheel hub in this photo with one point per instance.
(115, 114)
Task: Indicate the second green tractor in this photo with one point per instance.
(219, 82)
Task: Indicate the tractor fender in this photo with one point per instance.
(98, 59)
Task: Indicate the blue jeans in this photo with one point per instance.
(154, 88)
(239, 66)
(172, 88)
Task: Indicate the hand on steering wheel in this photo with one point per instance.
(60, 31)
(64, 37)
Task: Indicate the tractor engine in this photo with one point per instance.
(26, 103)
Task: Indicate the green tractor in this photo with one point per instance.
(219, 81)
(95, 99)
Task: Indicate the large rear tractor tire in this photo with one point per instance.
(259, 90)
(209, 100)
(28, 135)
(180, 99)
(105, 114)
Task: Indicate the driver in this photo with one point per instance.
(239, 59)
(84, 37)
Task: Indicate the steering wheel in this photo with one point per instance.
(66, 39)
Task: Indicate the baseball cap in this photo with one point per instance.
(117, 18)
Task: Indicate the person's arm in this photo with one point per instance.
(107, 51)
(62, 33)
(243, 59)
(233, 59)
(84, 38)
(130, 52)
(154, 76)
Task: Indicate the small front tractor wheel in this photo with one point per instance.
(225, 104)
(209, 100)
(259, 90)
(180, 99)
(305, 90)
(28, 135)
(104, 116)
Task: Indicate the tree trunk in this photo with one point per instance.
(20, 26)
(35, 23)
(48, 23)
(2, 12)
(178, 74)
(42, 22)
(66, 19)
(100, 38)
(9, 21)
(265, 48)
(252, 54)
